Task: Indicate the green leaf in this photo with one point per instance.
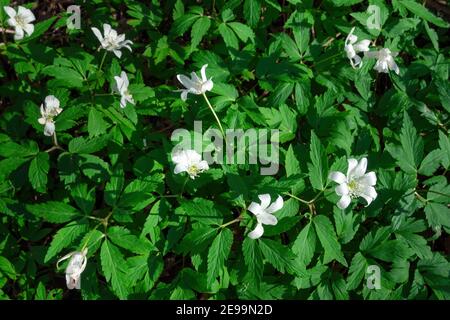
(391, 250)
(64, 238)
(54, 212)
(202, 210)
(7, 268)
(199, 29)
(277, 255)
(410, 154)
(38, 170)
(292, 165)
(253, 260)
(305, 244)
(228, 36)
(217, 254)
(86, 146)
(444, 144)
(318, 167)
(96, 125)
(122, 237)
(328, 239)
(423, 13)
(431, 162)
(84, 198)
(252, 12)
(244, 32)
(437, 215)
(113, 265)
(66, 77)
(357, 270)
(197, 240)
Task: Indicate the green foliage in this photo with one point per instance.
(105, 181)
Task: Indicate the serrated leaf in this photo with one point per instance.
(217, 254)
(328, 239)
(84, 197)
(122, 237)
(38, 171)
(113, 264)
(277, 255)
(431, 162)
(53, 211)
(199, 29)
(305, 244)
(253, 260)
(64, 238)
(252, 11)
(318, 167)
(96, 124)
(357, 270)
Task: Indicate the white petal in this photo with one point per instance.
(265, 200)
(257, 233)
(124, 77)
(10, 11)
(369, 194)
(118, 53)
(203, 73)
(207, 86)
(362, 46)
(344, 202)
(203, 165)
(106, 29)
(180, 157)
(29, 29)
(267, 218)
(193, 156)
(98, 34)
(42, 121)
(119, 83)
(255, 208)
(277, 205)
(18, 35)
(51, 102)
(342, 190)
(361, 168)
(180, 167)
(184, 94)
(49, 129)
(337, 177)
(393, 66)
(369, 179)
(352, 163)
(123, 102)
(185, 81)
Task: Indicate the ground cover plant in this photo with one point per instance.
(253, 149)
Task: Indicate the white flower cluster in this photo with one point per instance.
(385, 58)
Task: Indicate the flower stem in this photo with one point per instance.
(231, 222)
(215, 116)
(297, 198)
(103, 60)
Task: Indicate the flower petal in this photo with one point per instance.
(337, 177)
(352, 163)
(362, 46)
(257, 232)
(344, 202)
(369, 194)
(255, 208)
(361, 168)
(277, 205)
(369, 179)
(49, 129)
(203, 73)
(342, 190)
(98, 34)
(180, 167)
(29, 29)
(10, 11)
(185, 81)
(267, 218)
(265, 200)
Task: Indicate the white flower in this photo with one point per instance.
(195, 85)
(357, 183)
(263, 213)
(111, 41)
(20, 20)
(122, 87)
(189, 161)
(75, 268)
(49, 109)
(352, 48)
(385, 60)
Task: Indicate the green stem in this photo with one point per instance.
(215, 116)
(297, 198)
(103, 60)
